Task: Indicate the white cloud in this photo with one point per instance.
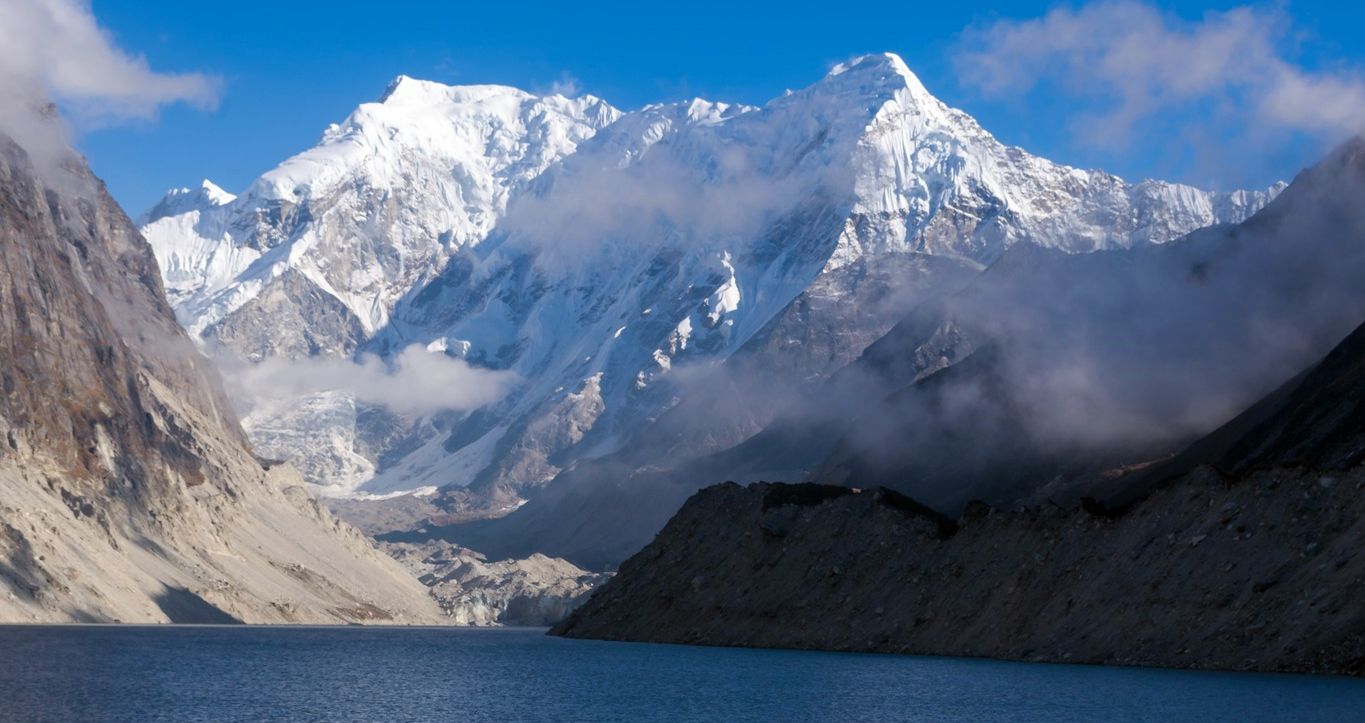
(55, 50)
(1138, 62)
(661, 197)
(58, 47)
(414, 382)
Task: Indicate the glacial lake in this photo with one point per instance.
(105, 673)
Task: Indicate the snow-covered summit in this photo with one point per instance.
(501, 136)
(369, 212)
(928, 178)
(184, 200)
(878, 75)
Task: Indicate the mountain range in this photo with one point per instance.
(475, 318)
(641, 289)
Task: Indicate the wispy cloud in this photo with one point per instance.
(1126, 62)
(567, 85)
(58, 46)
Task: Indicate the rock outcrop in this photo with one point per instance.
(127, 489)
(534, 591)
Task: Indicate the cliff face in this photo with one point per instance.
(84, 334)
(127, 489)
(1248, 559)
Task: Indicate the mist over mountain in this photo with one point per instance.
(629, 276)
(1038, 379)
(1100, 360)
(1248, 537)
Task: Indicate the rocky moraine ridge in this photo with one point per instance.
(535, 591)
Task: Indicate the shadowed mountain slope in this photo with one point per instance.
(1257, 567)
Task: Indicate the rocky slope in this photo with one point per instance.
(1248, 561)
(127, 489)
(1255, 575)
(621, 268)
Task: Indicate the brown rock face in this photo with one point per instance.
(127, 489)
(85, 331)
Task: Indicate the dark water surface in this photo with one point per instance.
(442, 674)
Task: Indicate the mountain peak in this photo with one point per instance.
(181, 200)
(453, 125)
(214, 194)
(407, 90)
(860, 88)
(876, 61)
(881, 69)
(401, 82)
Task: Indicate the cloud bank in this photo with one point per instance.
(1134, 63)
(1071, 364)
(414, 382)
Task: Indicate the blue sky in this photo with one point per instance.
(290, 68)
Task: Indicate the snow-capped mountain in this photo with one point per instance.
(312, 257)
(615, 262)
(371, 211)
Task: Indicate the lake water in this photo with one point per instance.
(381, 674)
